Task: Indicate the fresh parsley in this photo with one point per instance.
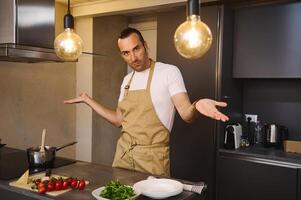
(114, 190)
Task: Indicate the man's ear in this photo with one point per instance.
(146, 46)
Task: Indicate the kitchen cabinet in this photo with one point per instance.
(6, 194)
(267, 41)
(299, 185)
(97, 175)
(193, 146)
(244, 178)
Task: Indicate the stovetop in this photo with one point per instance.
(13, 163)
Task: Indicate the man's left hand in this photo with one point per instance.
(208, 108)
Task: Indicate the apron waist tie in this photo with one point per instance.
(132, 145)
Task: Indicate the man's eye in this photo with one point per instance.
(125, 53)
(137, 48)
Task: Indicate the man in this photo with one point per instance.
(146, 108)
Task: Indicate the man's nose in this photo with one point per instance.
(133, 56)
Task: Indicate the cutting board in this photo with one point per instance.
(36, 176)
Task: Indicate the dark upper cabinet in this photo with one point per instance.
(247, 180)
(267, 42)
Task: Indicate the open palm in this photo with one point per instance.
(208, 108)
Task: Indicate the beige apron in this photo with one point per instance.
(144, 141)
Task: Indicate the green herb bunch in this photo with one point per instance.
(114, 190)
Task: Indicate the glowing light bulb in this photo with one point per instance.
(192, 38)
(68, 45)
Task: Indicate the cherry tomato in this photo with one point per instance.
(50, 187)
(81, 184)
(41, 185)
(45, 182)
(69, 180)
(58, 185)
(74, 183)
(42, 190)
(52, 179)
(65, 184)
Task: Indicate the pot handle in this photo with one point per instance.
(66, 145)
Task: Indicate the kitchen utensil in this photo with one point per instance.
(198, 187)
(36, 159)
(42, 149)
(158, 188)
(274, 135)
(1, 145)
(26, 186)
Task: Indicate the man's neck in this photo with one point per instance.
(149, 63)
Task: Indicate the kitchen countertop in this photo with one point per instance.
(97, 175)
(268, 155)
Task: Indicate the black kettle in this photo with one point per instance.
(274, 135)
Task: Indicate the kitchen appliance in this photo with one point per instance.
(13, 163)
(274, 135)
(44, 159)
(1, 145)
(233, 136)
(27, 30)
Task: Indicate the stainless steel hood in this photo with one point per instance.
(27, 30)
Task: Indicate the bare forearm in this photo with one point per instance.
(190, 113)
(108, 114)
(186, 110)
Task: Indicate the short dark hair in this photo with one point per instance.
(128, 31)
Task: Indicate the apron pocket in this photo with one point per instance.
(152, 161)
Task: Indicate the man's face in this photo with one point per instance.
(133, 52)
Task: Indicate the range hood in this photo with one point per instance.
(27, 31)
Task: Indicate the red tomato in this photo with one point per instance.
(58, 185)
(50, 187)
(74, 183)
(52, 179)
(81, 184)
(42, 190)
(65, 184)
(41, 185)
(37, 181)
(70, 180)
(45, 182)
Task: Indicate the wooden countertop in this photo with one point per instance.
(97, 175)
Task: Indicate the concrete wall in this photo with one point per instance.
(84, 69)
(32, 99)
(108, 74)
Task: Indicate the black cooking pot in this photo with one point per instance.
(38, 159)
(1, 145)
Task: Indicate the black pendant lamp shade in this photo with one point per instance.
(193, 7)
(68, 18)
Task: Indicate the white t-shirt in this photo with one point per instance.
(167, 81)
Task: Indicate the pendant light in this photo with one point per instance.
(68, 45)
(192, 38)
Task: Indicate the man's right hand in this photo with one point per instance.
(82, 98)
(112, 116)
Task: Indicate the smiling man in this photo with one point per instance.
(148, 99)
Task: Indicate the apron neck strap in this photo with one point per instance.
(150, 75)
